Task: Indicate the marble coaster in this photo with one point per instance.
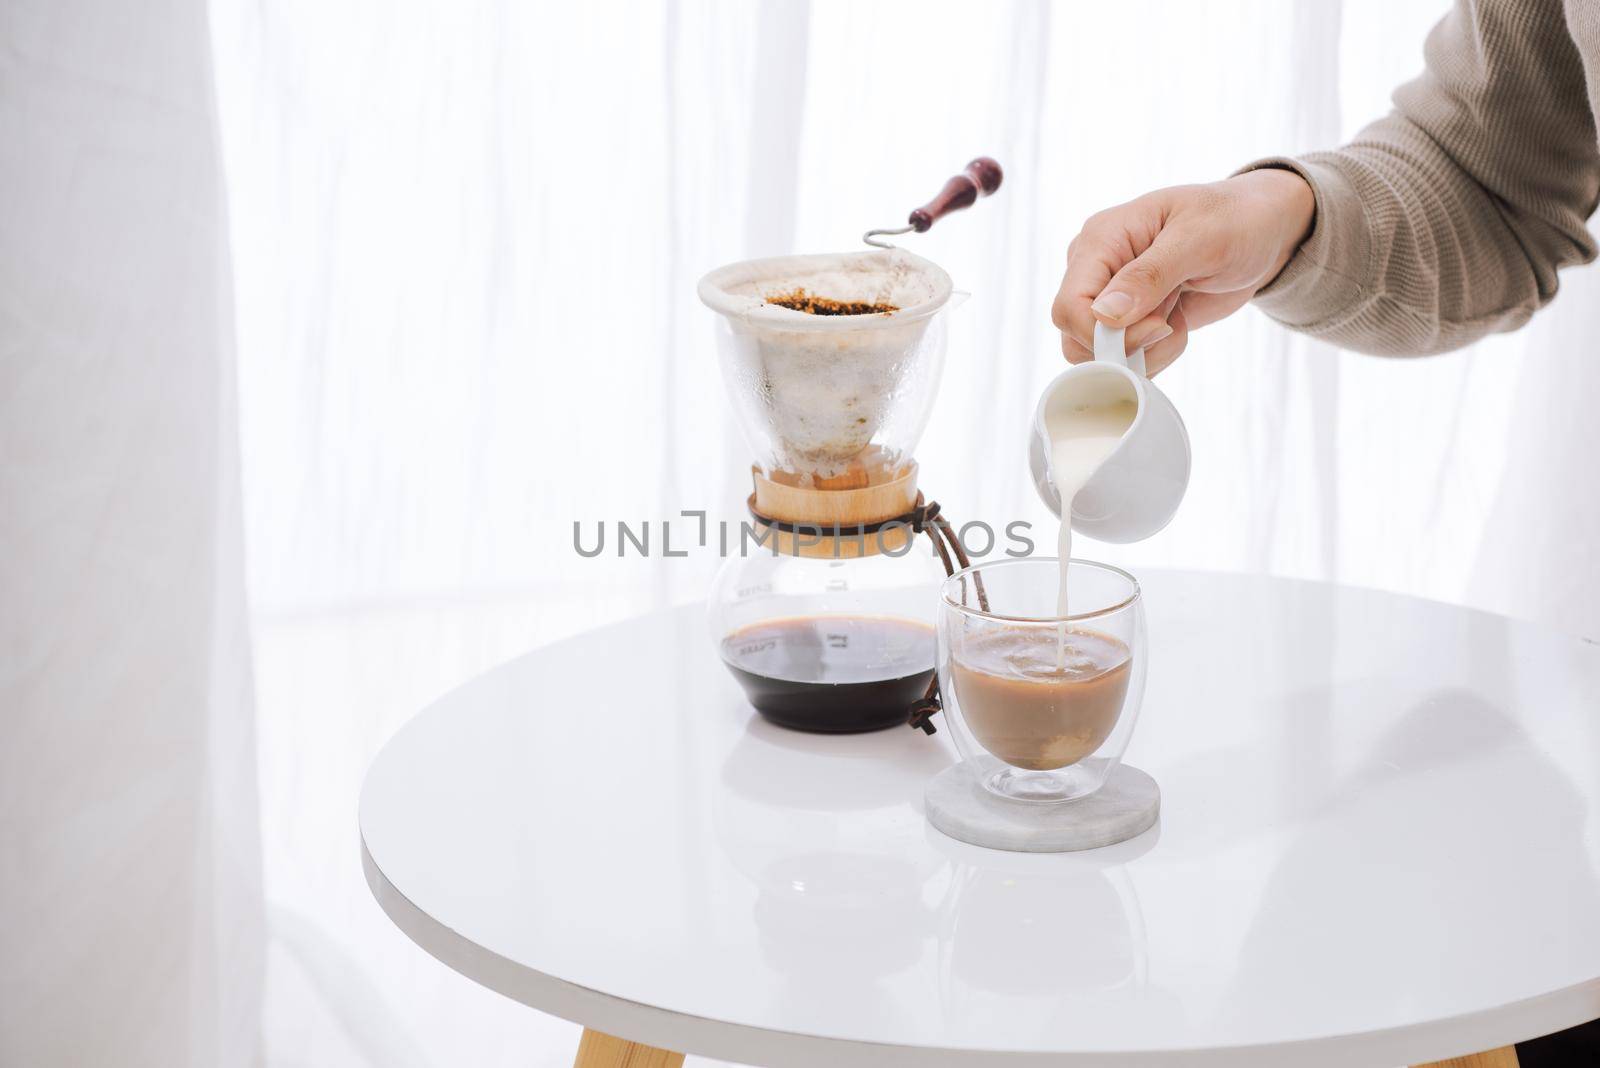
(957, 804)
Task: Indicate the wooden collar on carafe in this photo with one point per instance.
(862, 495)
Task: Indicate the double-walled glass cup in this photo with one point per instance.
(1041, 702)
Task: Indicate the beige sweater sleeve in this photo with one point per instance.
(1448, 219)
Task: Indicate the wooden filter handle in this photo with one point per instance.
(981, 178)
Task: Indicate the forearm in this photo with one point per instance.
(1450, 218)
(1408, 255)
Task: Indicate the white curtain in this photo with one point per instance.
(130, 862)
(465, 238)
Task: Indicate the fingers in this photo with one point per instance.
(1091, 260)
(1162, 353)
(1124, 243)
(1203, 309)
(1145, 333)
(1140, 286)
(1132, 262)
(1074, 352)
(1107, 242)
(1142, 334)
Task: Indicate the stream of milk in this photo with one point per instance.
(1081, 438)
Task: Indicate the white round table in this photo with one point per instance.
(1378, 845)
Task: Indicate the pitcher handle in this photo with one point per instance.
(1109, 346)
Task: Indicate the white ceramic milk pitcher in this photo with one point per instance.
(1137, 489)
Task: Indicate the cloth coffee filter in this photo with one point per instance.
(820, 388)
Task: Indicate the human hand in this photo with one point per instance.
(1177, 259)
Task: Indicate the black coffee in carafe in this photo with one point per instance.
(833, 674)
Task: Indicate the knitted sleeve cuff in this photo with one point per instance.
(1329, 275)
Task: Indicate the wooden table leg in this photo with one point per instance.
(596, 1049)
(1504, 1057)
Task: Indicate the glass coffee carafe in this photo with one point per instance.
(825, 608)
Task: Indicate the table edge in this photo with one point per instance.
(751, 1045)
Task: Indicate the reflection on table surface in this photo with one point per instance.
(1376, 811)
